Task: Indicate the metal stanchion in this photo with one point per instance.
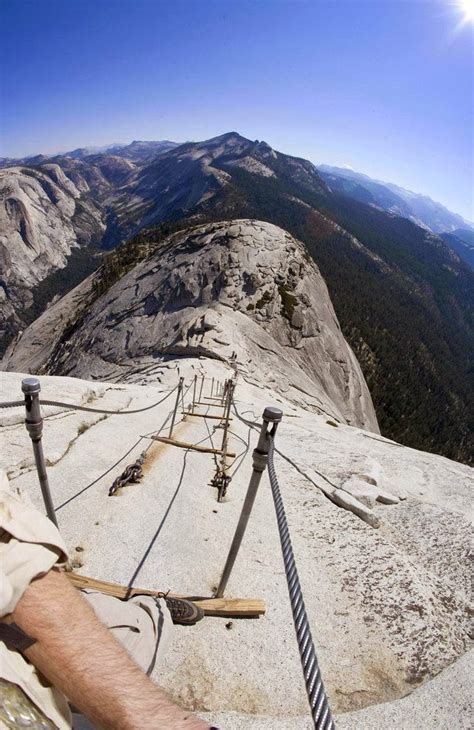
(178, 395)
(228, 403)
(194, 393)
(212, 387)
(260, 459)
(200, 391)
(224, 391)
(34, 423)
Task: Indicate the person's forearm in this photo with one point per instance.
(81, 658)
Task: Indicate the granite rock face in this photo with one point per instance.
(242, 289)
(43, 216)
(388, 607)
(51, 205)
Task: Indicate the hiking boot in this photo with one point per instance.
(183, 611)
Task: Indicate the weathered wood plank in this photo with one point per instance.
(226, 607)
(191, 447)
(211, 405)
(204, 415)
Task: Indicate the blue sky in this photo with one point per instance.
(383, 86)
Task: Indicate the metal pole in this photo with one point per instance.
(200, 391)
(178, 394)
(194, 392)
(260, 459)
(212, 387)
(228, 404)
(34, 423)
(224, 391)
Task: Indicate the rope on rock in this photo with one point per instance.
(73, 407)
(318, 701)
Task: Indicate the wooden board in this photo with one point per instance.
(226, 607)
(204, 415)
(209, 405)
(191, 447)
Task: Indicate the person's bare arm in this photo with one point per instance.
(81, 658)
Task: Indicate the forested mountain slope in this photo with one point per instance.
(461, 241)
(404, 301)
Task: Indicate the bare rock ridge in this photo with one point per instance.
(48, 206)
(242, 287)
(193, 173)
(42, 218)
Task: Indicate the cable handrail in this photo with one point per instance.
(318, 701)
(263, 456)
(76, 407)
(256, 424)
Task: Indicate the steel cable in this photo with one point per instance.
(318, 701)
(256, 424)
(71, 406)
(97, 479)
(242, 455)
(165, 516)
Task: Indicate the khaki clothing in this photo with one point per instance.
(30, 546)
(142, 624)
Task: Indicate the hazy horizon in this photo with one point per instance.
(382, 86)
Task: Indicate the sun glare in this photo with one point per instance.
(467, 9)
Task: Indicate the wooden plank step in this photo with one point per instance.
(227, 607)
(204, 415)
(191, 447)
(211, 405)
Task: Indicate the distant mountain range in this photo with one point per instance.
(394, 199)
(138, 150)
(457, 232)
(403, 296)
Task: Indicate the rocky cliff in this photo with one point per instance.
(43, 216)
(51, 205)
(242, 289)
